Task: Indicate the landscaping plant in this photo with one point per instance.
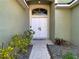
(18, 45)
(28, 33)
(69, 55)
(6, 53)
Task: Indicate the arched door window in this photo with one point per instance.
(39, 11)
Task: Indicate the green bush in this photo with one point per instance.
(69, 55)
(28, 34)
(18, 45)
(6, 53)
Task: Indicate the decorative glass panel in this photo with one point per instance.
(39, 11)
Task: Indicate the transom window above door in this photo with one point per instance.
(39, 11)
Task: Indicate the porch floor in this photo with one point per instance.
(39, 50)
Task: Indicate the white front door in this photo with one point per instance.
(39, 17)
(39, 25)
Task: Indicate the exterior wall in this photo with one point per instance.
(13, 19)
(75, 25)
(63, 23)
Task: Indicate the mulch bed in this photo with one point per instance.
(56, 51)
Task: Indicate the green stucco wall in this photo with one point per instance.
(75, 25)
(63, 23)
(13, 19)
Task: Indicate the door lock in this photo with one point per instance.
(39, 28)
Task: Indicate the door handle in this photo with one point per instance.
(39, 28)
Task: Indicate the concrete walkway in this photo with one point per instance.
(39, 50)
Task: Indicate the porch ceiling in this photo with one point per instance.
(57, 5)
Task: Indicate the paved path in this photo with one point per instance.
(39, 50)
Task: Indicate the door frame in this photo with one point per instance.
(44, 6)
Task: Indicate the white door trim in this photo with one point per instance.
(40, 6)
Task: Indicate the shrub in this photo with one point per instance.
(69, 55)
(6, 53)
(18, 45)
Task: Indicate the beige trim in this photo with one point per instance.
(26, 3)
(31, 7)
